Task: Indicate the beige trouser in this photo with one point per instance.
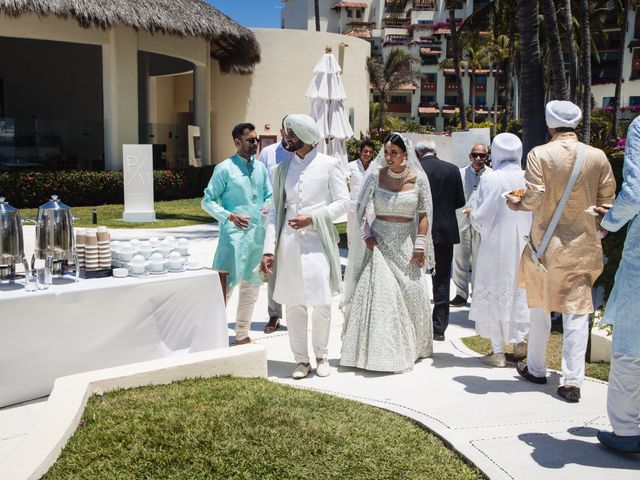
(247, 297)
(297, 321)
(623, 395)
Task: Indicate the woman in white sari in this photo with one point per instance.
(499, 307)
(387, 310)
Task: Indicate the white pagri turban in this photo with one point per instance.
(560, 113)
(304, 127)
(505, 148)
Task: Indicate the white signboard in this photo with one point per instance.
(138, 183)
(455, 148)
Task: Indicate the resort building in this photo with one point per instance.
(78, 83)
(421, 26)
(605, 67)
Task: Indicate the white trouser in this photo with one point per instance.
(574, 345)
(623, 395)
(247, 297)
(274, 308)
(464, 256)
(298, 333)
(497, 345)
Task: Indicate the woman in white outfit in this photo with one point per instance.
(499, 308)
(388, 317)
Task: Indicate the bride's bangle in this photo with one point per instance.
(366, 231)
(421, 241)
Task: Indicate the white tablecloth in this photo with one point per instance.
(100, 323)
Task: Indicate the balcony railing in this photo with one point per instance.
(399, 107)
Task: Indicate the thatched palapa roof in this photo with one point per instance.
(233, 45)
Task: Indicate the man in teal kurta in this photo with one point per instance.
(236, 197)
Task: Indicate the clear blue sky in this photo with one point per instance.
(251, 13)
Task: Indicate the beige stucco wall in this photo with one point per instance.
(279, 82)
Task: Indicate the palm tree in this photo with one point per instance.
(498, 48)
(586, 71)
(476, 56)
(533, 120)
(456, 62)
(389, 75)
(573, 52)
(556, 60)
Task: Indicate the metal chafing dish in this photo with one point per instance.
(55, 242)
(11, 242)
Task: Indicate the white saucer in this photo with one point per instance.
(197, 267)
(131, 274)
(171, 270)
(164, 272)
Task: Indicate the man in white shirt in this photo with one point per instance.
(271, 156)
(466, 252)
(310, 192)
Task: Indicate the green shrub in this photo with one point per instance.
(26, 189)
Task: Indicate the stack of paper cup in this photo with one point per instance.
(80, 241)
(91, 255)
(104, 247)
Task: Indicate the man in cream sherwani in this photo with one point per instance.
(310, 192)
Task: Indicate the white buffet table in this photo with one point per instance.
(100, 323)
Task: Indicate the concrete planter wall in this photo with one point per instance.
(600, 345)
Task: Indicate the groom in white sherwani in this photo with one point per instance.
(309, 193)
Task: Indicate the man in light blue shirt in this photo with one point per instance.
(236, 197)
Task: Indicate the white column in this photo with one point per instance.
(202, 106)
(120, 93)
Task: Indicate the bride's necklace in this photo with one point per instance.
(398, 176)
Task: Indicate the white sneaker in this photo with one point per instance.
(301, 371)
(323, 369)
(495, 360)
(520, 350)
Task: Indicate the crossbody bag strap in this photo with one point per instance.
(563, 201)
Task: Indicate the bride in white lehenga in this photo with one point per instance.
(387, 308)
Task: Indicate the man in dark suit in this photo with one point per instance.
(448, 195)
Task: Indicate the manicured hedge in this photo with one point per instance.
(30, 189)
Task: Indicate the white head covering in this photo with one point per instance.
(304, 127)
(561, 113)
(505, 148)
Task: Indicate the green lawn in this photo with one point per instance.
(174, 213)
(233, 428)
(598, 370)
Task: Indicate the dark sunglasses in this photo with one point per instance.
(479, 155)
(252, 140)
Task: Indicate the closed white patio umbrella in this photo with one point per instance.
(326, 97)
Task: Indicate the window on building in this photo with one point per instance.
(427, 99)
(636, 33)
(358, 13)
(430, 78)
(608, 102)
(635, 64)
(481, 100)
(451, 99)
(634, 101)
(398, 99)
(349, 13)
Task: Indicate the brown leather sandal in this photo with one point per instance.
(272, 326)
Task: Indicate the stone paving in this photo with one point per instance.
(509, 428)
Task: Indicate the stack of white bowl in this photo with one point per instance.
(169, 252)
